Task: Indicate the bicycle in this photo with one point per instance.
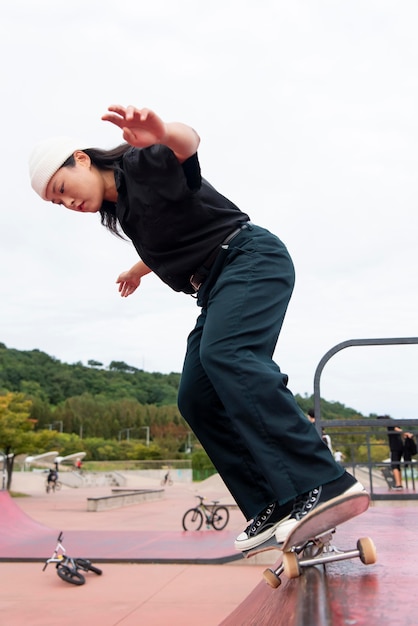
(67, 567)
(214, 515)
(167, 480)
(52, 485)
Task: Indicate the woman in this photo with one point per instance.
(232, 394)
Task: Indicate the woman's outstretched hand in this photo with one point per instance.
(141, 127)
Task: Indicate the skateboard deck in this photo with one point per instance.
(326, 518)
(319, 521)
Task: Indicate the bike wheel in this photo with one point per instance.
(87, 566)
(58, 485)
(70, 575)
(192, 519)
(220, 517)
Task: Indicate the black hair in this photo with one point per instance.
(105, 160)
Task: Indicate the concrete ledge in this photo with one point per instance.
(275, 607)
(123, 497)
(316, 598)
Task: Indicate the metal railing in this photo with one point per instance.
(368, 424)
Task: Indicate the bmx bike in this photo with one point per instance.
(67, 567)
(52, 485)
(214, 515)
(167, 480)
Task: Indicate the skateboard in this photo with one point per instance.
(388, 476)
(310, 542)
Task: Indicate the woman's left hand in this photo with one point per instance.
(127, 284)
(130, 280)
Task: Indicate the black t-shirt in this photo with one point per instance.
(173, 216)
(395, 439)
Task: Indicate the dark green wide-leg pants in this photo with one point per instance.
(233, 395)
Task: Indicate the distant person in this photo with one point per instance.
(167, 479)
(78, 464)
(396, 453)
(52, 477)
(311, 416)
(339, 456)
(326, 439)
(232, 394)
(396, 447)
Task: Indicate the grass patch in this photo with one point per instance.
(121, 466)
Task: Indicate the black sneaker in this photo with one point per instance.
(263, 526)
(304, 504)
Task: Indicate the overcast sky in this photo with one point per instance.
(307, 112)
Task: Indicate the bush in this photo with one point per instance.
(201, 461)
(202, 466)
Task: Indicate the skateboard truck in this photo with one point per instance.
(318, 551)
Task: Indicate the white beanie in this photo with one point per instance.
(47, 157)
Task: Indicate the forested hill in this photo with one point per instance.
(107, 402)
(36, 374)
(40, 376)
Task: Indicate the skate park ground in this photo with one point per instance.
(127, 593)
(173, 577)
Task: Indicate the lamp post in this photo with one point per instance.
(52, 426)
(127, 431)
(147, 429)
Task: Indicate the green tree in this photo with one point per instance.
(15, 424)
(121, 366)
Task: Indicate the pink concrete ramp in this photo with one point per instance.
(24, 539)
(15, 524)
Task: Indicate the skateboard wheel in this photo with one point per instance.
(291, 565)
(271, 578)
(367, 551)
